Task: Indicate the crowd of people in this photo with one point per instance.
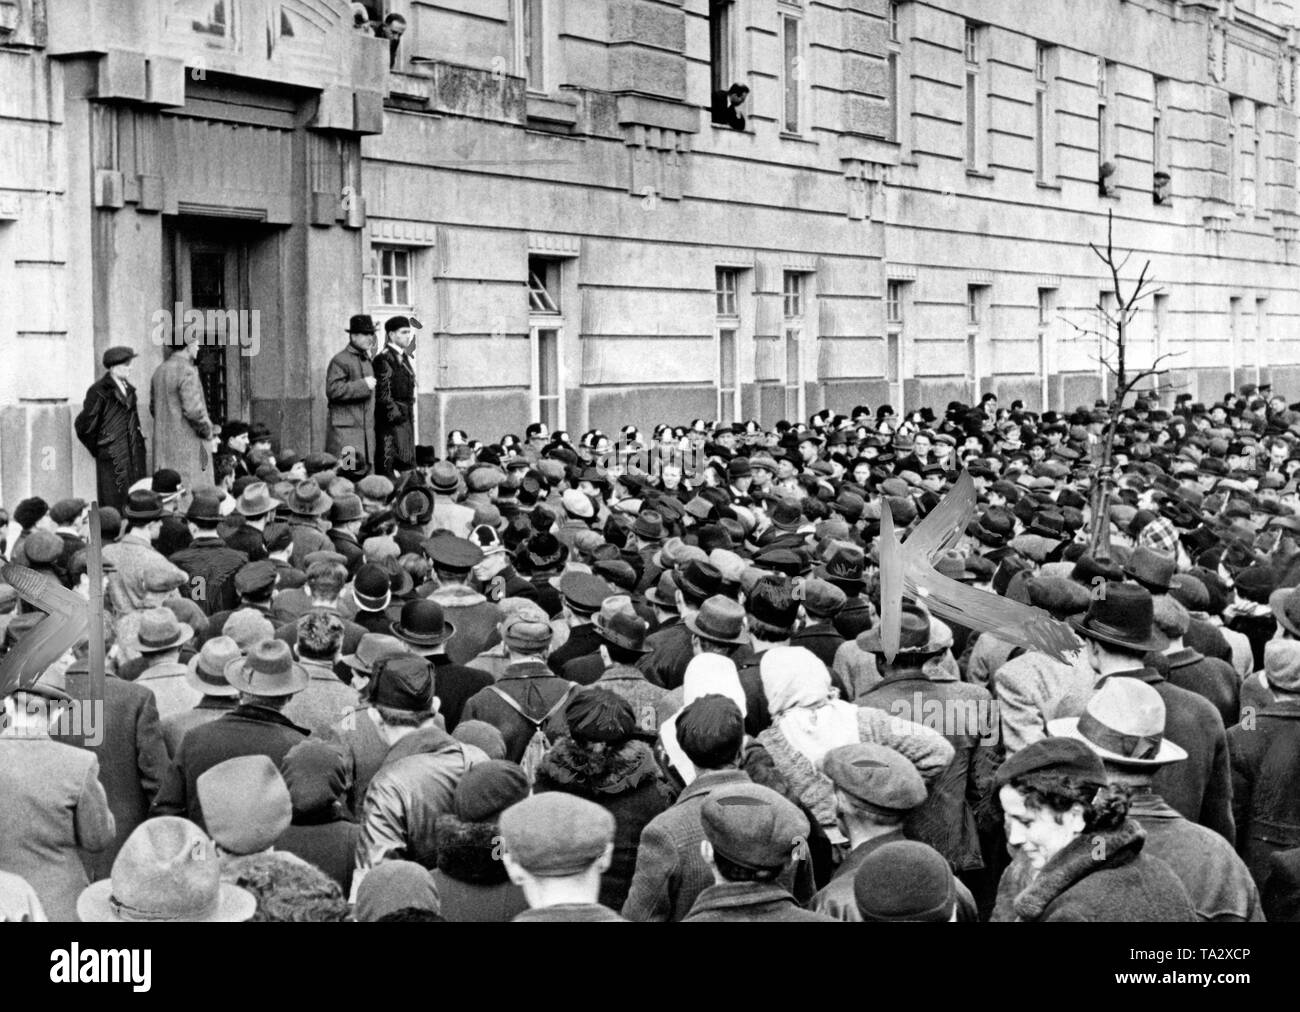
(643, 676)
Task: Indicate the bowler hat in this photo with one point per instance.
(166, 871)
(699, 580)
(361, 323)
(719, 620)
(421, 624)
(1122, 616)
(268, 670)
(142, 506)
(1124, 723)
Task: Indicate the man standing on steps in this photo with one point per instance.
(109, 427)
(350, 389)
(395, 398)
(184, 438)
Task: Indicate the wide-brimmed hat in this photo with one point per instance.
(268, 670)
(308, 500)
(421, 624)
(166, 871)
(720, 620)
(1122, 615)
(917, 634)
(158, 630)
(846, 564)
(143, 505)
(255, 500)
(617, 624)
(371, 649)
(1124, 723)
(206, 670)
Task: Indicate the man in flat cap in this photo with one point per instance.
(109, 427)
(751, 835)
(395, 398)
(556, 846)
(876, 788)
(350, 388)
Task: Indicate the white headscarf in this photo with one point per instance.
(803, 703)
(706, 675)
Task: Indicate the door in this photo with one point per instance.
(209, 276)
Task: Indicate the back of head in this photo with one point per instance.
(711, 731)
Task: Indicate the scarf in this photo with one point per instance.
(804, 705)
(706, 675)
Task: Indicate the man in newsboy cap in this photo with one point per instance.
(556, 846)
(109, 427)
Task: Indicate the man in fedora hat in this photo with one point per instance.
(346, 516)
(209, 561)
(206, 674)
(307, 505)
(184, 437)
(623, 635)
(55, 810)
(1124, 723)
(946, 821)
(423, 626)
(133, 554)
(109, 427)
(670, 647)
(844, 569)
(158, 638)
(417, 780)
(168, 872)
(394, 369)
(1118, 632)
(256, 507)
(266, 679)
(350, 390)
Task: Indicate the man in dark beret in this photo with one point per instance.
(109, 427)
(395, 398)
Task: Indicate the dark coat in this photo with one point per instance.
(245, 730)
(345, 543)
(822, 638)
(394, 412)
(946, 820)
(248, 540)
(474, 618)
(1209, 677)
(854, 618)
(532, 686)
(455, 685)
(569, 913)
(585, 670)
(212, 566)
(471, 879)
(351, 421)
(749, 902)
(1124, 885)
(627, 786)
(1282, 894)
(330, 845)
(109, 427)
(1265, 801)
(1259, 629)
(1200, 788)
(583, 640)
(132, 758)
(671, 651)
(1208, 639)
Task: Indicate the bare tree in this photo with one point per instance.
(1112, 334)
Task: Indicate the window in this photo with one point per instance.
(530, 42)
(728, 382)
(1261, 333)
(543, 285)
(390, 272)
(973, 308)
(896, 85)
(894, 302)
(722, 51)
(892, 23)
(975, 91)
(792, 73)
(972, 43)
(1159, 143)
(726, 291)
(792, 296)
(548, 387)
(1234, 331)
(977, 300)
(1234, 160)
(1046, 306)
(1259, 174)
(1044, 136)
(1105, 166)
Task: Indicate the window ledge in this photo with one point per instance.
(796, 137)
(979, 174)
(1048, 186)
(723, 128)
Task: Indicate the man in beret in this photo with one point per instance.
(751, 835)
(109, 427)
(876, 789)
(555, 848)
(394, 369)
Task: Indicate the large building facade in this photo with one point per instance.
(905, 216)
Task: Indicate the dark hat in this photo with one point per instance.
(554, 834)
(166, 482)
(787, 516)
(361, 323)
(1058, 596)
(700, 580)
(916, 634)
(452, 553)
(1067, 756)
(583, 592)
(255, 578)
(664, 593)
(753, 826)
(43, 548)
(307, 499)
(780, 560)
(995, 527)
(905, 881)
(413, 506)
(822, 599)
(488, 789)
(876, 777)
(141, 506)
(1122, 615)
(402, 682)
(205, 505)
(544, 552)
(649, 526)
(845, 565)
(67, 510)
(720, 620)
(425, 456)
(1256, 583)
(29, 511)
(1152, 569)
(594, 714)
(1087, 570)
(396, 323)
(739, 467)
(372, 587)
(347, 508)
(620, 626)
(117, 355)
(421, 623)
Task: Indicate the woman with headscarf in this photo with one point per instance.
(809, 719)
(600, 761)
(320, 833)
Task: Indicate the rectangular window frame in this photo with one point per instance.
(542, 400)
(793, 114)
(726, 284)
(793, 295)
(392, 275)
(722, 45)
(1044, 115)
(545, 286)
(975, 101)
